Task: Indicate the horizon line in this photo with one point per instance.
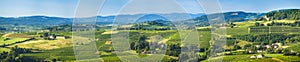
(138, 14)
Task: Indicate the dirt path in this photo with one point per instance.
(164, 40)
(5, 35)
(109, 32)
(276, 59)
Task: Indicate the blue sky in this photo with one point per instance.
(67, 8)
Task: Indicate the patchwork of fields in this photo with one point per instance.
(61, 49)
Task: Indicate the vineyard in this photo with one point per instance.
(273, 29)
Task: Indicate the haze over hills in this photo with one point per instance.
(46, 20)
(238, 16)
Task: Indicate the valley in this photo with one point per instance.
(250, 38)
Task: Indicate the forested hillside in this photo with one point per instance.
(286, 14)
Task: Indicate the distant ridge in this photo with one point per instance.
(46, 20)
(235, 16)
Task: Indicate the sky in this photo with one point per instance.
(67, 8)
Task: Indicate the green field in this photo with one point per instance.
(64, 54)
(295, 47)
(4, 50)
(204, 41)
(45, 44)
(62, 49)
(11, 40)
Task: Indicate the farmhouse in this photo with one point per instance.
(279, 44)
(52, 37)
(258, 56)
(267, 46)
(259, 51)
(257, 46)
(253, 57)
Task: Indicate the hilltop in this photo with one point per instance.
(285, 14)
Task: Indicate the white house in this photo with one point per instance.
(253, 57)
(260, 56)
(279, 44)
(259, 51)
(268, 46)
(257, 46)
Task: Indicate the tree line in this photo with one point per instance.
(287, 14)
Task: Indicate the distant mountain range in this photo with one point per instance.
(238, 16)
(35, 20)
(45, 20)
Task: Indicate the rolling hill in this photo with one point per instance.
(284, 14)
(237, 16)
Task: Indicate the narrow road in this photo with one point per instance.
(276, 59)
(5, 46)
(164, 40)
(5, 35)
